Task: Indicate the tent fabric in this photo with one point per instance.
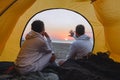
(105, 25)
(8, 21)
(5, 5)
(107, 12)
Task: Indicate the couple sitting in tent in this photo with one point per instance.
(36, 52)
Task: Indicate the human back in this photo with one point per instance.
(34, 54)
(82, 45)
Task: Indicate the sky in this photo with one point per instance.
(58, 23)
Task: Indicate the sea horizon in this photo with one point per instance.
(62, 41)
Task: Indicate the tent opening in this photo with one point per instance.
(58, 23)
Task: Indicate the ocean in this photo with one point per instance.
(61, 49)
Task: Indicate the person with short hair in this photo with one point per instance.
(36, 51)
(82, 45)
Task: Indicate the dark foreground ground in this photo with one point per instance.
(95, 67)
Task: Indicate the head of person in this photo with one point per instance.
(38, 26)
(80, 30)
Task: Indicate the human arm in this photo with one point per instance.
(47, 37)
(53, 58)
(72, 34)
(48, 41)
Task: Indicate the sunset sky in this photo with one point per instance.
(58, 23)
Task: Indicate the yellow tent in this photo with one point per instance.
(102, 14)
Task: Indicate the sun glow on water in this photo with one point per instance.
(66, 39)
